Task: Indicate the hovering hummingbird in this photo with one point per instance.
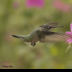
(43, 34)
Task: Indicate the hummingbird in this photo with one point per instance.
(43, 34)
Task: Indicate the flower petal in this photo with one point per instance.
(70, 33)
(29, 3)
(34, 3)
(39, 3)
(71, 27)
(61, 6)
(69, 40)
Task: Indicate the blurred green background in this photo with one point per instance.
(16, 18)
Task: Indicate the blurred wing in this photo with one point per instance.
(53, 37)
(46, 26)
(52, 24)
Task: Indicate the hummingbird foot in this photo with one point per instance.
(33, 44)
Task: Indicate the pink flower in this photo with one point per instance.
(70, 33)
(61, 6)
(35, 3)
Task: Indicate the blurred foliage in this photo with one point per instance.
(21, 20)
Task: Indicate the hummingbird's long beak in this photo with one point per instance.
(57, 26)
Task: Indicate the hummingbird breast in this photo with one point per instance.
(35, 39)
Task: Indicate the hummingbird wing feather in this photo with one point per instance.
(52, 24)
(48, 26)
(53, 37)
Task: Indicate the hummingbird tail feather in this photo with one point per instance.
(15, 36)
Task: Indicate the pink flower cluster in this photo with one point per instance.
(70, 33)
(35, 3)
(61, 6)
